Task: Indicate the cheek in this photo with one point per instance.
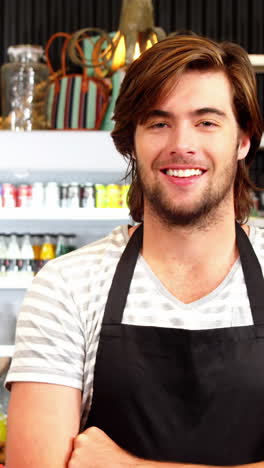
(150, 144)
(224, 148)
(147, 148)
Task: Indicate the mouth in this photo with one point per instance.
(183, 173)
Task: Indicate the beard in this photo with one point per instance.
(204, 210)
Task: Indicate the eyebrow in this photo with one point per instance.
(209, 110)
(157, 113)
(197, 112)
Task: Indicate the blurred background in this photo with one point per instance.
(78, 169)
(34, 21)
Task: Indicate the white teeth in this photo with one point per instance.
(183, 172)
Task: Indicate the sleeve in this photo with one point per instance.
(49, 345)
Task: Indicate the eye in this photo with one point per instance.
(207, 124)
(159, 125)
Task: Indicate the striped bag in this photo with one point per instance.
(94, 44)
(75, 101)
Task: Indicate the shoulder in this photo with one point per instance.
(60, 314)
(68, 282)
(115, 240)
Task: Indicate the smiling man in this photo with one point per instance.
(150, 341)
(183, 142)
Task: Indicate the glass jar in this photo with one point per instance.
(24, 84)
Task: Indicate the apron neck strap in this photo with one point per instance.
(253, 276)
(119, 289)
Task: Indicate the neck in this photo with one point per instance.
(211, 237)
(193, 261)
(188, 244)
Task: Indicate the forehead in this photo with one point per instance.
(198, 89)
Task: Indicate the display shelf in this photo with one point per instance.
(257, 221)
(63, 151)
(62, 156)
(67, 214)
(6, 350)
(15, 283)
(58, 150)
(257, 61)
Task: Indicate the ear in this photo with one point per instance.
(243, 145)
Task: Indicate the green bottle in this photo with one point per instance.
(61, 248)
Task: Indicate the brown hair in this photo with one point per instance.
(150, 77)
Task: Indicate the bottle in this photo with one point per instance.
(13, 256)
(9, 195)
(52, 195)
(70, 242)
(36, 240)
(124, 192)
(3, 253)
(53, 240)
(38, 195)
(100, 196)
(63, 195)
(47, 251)
(88, 198)
(3, 426)
(61, 247)
(27, 257)
(74, 195)
(24, 88)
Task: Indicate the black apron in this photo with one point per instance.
(192, 396)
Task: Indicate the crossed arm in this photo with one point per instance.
(94, 449)
(43, 426)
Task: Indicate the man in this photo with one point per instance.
(155, 333)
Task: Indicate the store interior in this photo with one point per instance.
(62, 182)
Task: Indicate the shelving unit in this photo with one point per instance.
(257, 60)
(63, 156)
(64, 214)
(6, 351)
(15, 283)
(25, 153)
(60, 156)
(257, 221)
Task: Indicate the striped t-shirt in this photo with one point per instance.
(60, 319)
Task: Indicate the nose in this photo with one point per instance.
(182, 140)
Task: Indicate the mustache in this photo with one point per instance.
(181, 161)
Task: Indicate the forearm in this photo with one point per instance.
(94, 448)
(153, 464)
